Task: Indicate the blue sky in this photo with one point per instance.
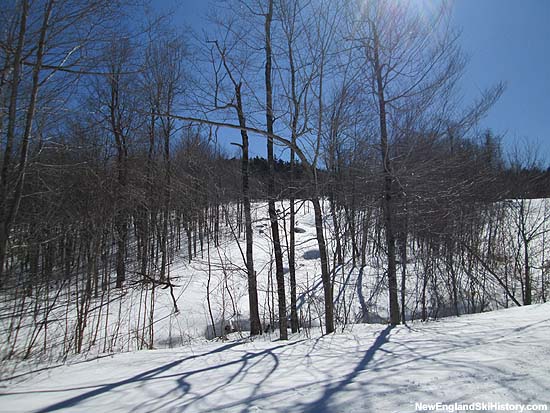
(509, 40)
(506, 40)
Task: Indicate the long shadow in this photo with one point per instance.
(342, 289)
(242, 371)
(245, 404)
(138, 377)
(360, 295)
(322, 404)
(182, 385)
(301, 299)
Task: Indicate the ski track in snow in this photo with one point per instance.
(501, 356)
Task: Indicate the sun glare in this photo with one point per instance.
(427, 10)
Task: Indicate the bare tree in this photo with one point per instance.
(228, 70)
(407, 60)
(276, 239)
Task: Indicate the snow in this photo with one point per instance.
(500, 357)
(118, 320)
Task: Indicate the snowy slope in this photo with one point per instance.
(120, 320)
(501, 356)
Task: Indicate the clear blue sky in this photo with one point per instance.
(509, 40)
(506, 40)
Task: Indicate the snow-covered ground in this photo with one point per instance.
(45, 331)
(118, 321)
(497, 357)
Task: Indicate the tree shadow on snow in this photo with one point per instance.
(245, 362)
(146, 375)
(183, 387)
(322, 404)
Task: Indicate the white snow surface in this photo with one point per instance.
(501, 357)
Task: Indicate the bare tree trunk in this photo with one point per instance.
(336, 225)
(8, 211)
(121, 220)
(292, 248)
(279, 273)
(403, 257)
(289, 15)
(527, 293)
(387, 200)
(325, 274)
(255, 324)
(5, 222)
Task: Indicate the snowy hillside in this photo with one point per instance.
(212, 283)
(212, 289)
(498, 357)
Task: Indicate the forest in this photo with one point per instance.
(134, 150)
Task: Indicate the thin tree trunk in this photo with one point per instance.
(325, 275)
(279, 274)
(255, 324)
(387, 200)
